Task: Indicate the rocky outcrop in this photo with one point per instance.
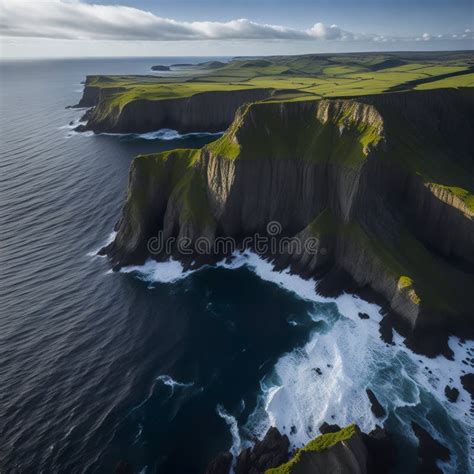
(206, 111)
(341, 450)
(90, 97)
(270, 452)
(429, 451)
(467, 381)
(381, 186)
(451, 393)
(377, 409)
(380, 448)
(94, 93)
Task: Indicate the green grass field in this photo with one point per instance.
(297, 77)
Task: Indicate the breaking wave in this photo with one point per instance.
(231, 421)
(158, 272)
(326, 379)
(166, 134)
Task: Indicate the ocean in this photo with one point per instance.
(157, 367)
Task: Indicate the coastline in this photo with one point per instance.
(430, 369)
(165, 192)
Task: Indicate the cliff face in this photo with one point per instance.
(90, 96)
(384, 184)
(93, 94)
(206, 111)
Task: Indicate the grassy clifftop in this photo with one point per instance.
(288, 78)
(337, 131)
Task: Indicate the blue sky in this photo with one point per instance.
(216, 27)
(388, 16)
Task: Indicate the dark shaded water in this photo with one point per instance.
(98, 367)
(81, 350)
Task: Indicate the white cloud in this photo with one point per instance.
(73, 19)
(63, 19)
(321, 31)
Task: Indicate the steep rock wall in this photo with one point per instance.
(90, 96)
(206, 111)
(377, 185)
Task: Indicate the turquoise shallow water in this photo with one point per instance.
(99, 367)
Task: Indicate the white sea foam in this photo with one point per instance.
(234, 429)
(327, 378)
(305, 289)
(71, 127)
(109, 240)
(167, 381)
(169, 134)
(139, 433)
(160, 272)
(73, 133)
(171, 382)
(165, 134)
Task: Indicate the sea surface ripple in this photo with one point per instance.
(99, 367)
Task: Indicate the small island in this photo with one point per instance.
(160, 67)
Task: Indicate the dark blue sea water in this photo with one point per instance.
(98, 367)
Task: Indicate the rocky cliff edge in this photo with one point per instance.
(384, 184)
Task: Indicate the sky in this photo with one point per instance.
(77, 28)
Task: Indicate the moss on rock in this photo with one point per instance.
(317, 445)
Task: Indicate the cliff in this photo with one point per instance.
(336, 449)
(93, 93)
(384, 184)
(342, 451)
(118, 112)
